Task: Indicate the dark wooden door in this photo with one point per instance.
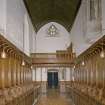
(52, 79)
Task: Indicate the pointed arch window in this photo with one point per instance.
(95, 9)
(52, 31)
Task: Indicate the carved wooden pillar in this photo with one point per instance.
(30, 75)
(7, 71)
(19, 64)
(77, 69)
(86, 72)
(14, 65)
(103, 73)
(83, 70)
(77, 76)
(21, 74)
(94, 70)
(27, 74)
(24, 74)
(97, 72)
(102, 63)
(80, 74)
(17, 71)
(5, 68)
(2, 74)
(89, 72)
(10, 69)
(100, 68)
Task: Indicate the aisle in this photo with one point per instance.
(53, 97)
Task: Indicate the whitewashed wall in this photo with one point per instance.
(41, 73)
(51, 44)
(33, 75)
(2, 16)
(83, 32)
(33, 42)
(68, 74)
(13, 15)
(44, 74)
(103, 17)
(38, 74)
(29, 35)
(15, 10)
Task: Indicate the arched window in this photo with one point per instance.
(52, 31)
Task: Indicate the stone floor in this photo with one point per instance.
(54, 97)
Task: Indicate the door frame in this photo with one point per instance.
(53, 70)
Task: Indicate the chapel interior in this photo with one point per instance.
(52, 52)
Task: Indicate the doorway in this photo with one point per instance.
(52, 79)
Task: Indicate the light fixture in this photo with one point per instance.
(74, 67)
(83, 63)
(23, 63)
(102, 54)
(73, 78)
(3, 54)
(31, 67)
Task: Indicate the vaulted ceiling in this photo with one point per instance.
(60, 11)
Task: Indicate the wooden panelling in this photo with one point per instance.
(50, 61)
(60, 58)
(88, 85)
(16, 86)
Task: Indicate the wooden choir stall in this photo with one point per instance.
(87, 85)
(16, 86)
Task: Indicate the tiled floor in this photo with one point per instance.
(53, 97)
